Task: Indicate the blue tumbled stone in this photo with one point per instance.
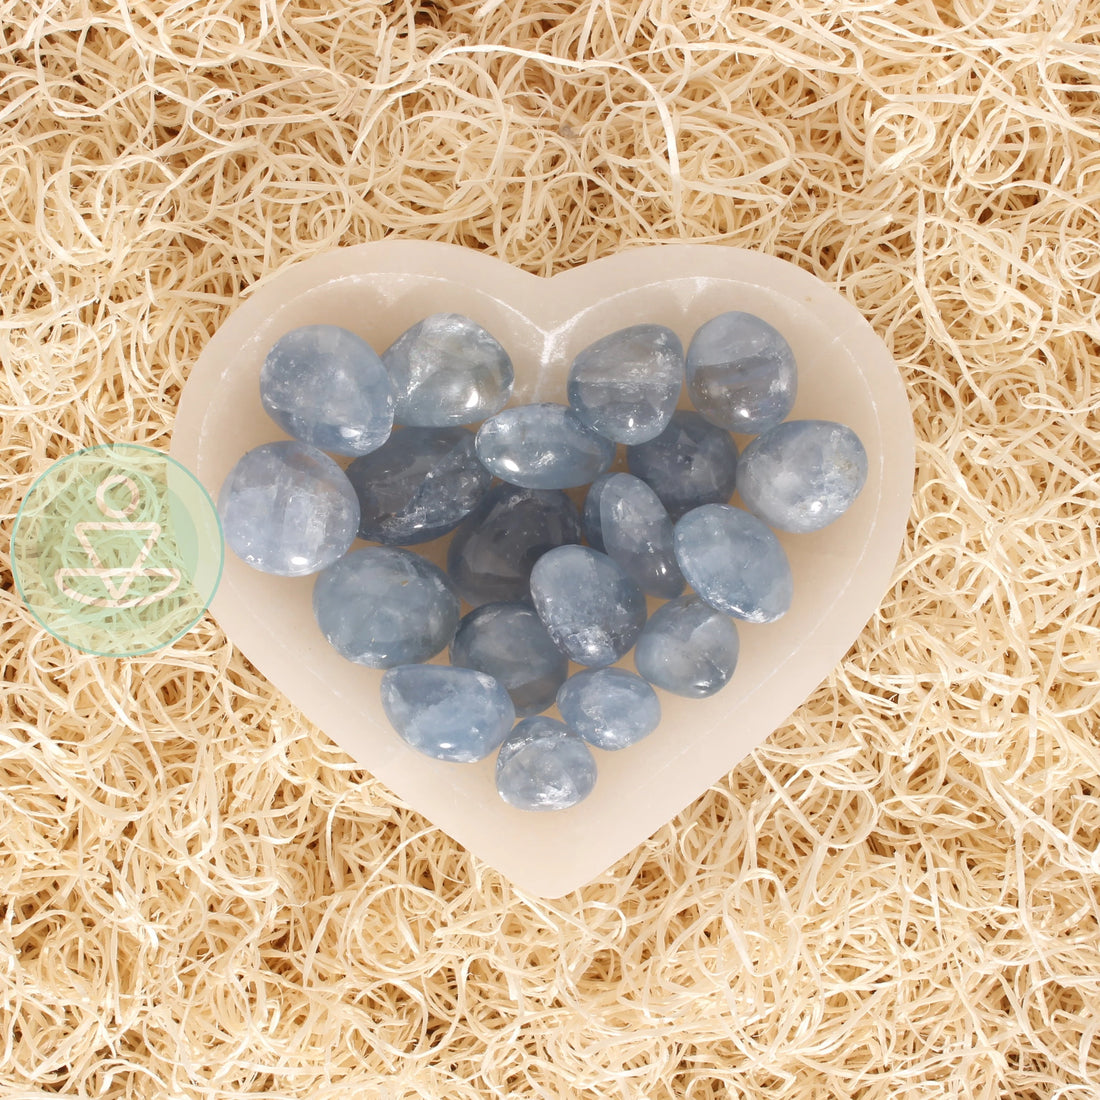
(447, 370)
(592, 609)
(287, 508)
(456, 714)
(626, 385)
(496, 546)
(542, 446)
(734, 562)
(544, 765)
(325, 386)
(688, 648)
(801, 475)
(508, 642)
(741, 373)
(690, 463)
(418, 485)
(625, 519)
(610, 708)
(383, 606)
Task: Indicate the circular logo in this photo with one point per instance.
(117, 550)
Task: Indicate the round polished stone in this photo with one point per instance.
(688, 648)
(447, 370)
(690, 463)
(383, 606)
(544, 765)
(741, 373)
(734, 562)
(509, 642)
(492, 553)
(592, 609)
(456, 714)
(543, 446)
(610, 708)
(418, 485)
(802, 475)
(286, 508)
(626, 385)
(325, 386)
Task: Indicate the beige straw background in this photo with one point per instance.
(898, 895)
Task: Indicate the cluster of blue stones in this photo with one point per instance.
(540, 597)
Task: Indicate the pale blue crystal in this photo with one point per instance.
(734, 562)
(455, 714)
(688, 648)
(384, 606)
(626, 385)
(802, 474)
(625, 519)
(592, 609)
(610, 708)
(690, 463)
(448, 370)
(542, 446)
(287, 508)
(418, 485)
(741, 373)
(509, 642)
(495, 547)
(327, 387)
(544, 765)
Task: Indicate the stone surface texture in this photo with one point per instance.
(688, 648)
(611, 708)
(544, 765)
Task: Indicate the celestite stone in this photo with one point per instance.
(624, 518)
(447, 370)
(456, 714)
(418, 485)
(741, 373)
(592, 609)
(327, 387)
(802, 474)
(508, 642)
(734, 562)
(544, 765)
(383, 606)
(543, 446)
(610, 708)
(690, 463)
(626, 385)
(287, 508)
(496, 546)
(688, 648)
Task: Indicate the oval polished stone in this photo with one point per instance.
(383, 606)
(542, 446)
(688, 648)
(496, 546)
(610, 708)
(418, 485)
(325, 386)
(802, 475)
(626, 385)
(741, 373)
(690, 463)
(544, 765)
(734, 562)
(455, 714)
(286, 508)
(624, 518)
(447, 370)
(508, 642)
(592, 609)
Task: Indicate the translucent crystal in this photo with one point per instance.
(688, 648)
(610, 708)
(544, 765)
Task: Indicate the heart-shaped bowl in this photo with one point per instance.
(840, 573)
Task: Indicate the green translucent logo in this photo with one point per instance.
(117, 550)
